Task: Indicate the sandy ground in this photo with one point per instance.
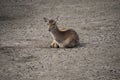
(25, 40)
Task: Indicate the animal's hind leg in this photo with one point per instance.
(68, 44)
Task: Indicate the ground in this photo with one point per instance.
(25, 40)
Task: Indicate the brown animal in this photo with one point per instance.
(62, 37)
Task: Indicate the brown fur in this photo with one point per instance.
(62, 37)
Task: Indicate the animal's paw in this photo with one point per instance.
(55, 45)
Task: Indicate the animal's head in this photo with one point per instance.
(51, 24)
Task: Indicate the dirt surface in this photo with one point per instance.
(25, 40)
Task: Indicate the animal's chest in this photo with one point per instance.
(52, 35)
(56, 37)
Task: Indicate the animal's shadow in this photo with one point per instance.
(78, 46)
(6, 18)
(82, 45)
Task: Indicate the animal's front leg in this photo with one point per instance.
(54, 44)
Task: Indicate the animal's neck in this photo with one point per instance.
(56, 30)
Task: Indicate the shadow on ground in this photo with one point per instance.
(6, 18)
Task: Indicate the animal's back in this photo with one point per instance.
(63, 29)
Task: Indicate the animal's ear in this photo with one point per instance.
(45, 19)
(57, 18)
